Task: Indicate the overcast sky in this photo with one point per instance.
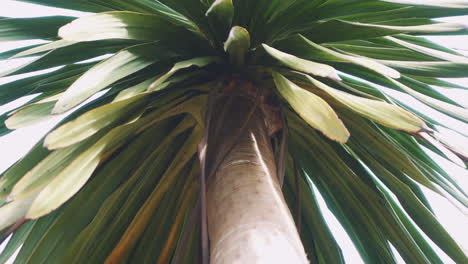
(14, 145)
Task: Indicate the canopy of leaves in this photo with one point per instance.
(118, 178)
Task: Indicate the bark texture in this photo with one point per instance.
(248, 218)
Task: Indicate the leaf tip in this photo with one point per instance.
(9, 124)
(334, 76)
(60, 108)
(9, 198)
(343, 138)
(47, 143)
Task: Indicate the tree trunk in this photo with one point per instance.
(248, 218)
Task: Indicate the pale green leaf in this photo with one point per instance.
(116, 25)
(313, 109)
(30, 115)
(381, 112)
(120, 65)
(237, 45)
(91, 122)
(198, 62)
(77, 173)
(309, 49)
(15, 210)
(71, 179)
(314, 68)
(15, 172)
(73, 176)
(46, 47)
(134, 90)
(46, 170)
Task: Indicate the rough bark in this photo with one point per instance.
(248, 218)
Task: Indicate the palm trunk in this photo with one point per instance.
(248, 218)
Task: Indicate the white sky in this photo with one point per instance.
(16, 144)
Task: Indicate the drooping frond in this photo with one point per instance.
(117, 180)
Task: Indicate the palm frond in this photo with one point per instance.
(117, 180)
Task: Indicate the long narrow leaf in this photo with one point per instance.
(312, 108)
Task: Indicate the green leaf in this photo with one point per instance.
(16, 241)
(365, 135)
(88, 6)
(117, 211)
(313, 109)
(172, 240)
(437, 82)
(431, 52)
(45, 47)
(15, 210)
(51, 240)
(421, 41)
(339, 30)
(237, 45)
(93, 121)
(420, 214)
(379, 11)
(440, 69)
(118, 25)
(30, 115)
(143, 6)
(122, 64)
(377, 52)
(340, 192)
(128, 151)
(133, 90)
(324, 242)
(77, 173)
(70, 53)
(314, 68)
(194, 11)
(39, 83)
(445, 4)
(46, 170)
(305, 48)
(71, 178)
(198, 62)
(31, 28)
(420, 158)
(3, 129)
(11, 52)
(21, 167)
(381, 112)
(452, 110)
(136, 228)
(37, 231)
(415, 233)
(426, 90)
(221, 13)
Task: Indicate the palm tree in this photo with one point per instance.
(218, 124)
